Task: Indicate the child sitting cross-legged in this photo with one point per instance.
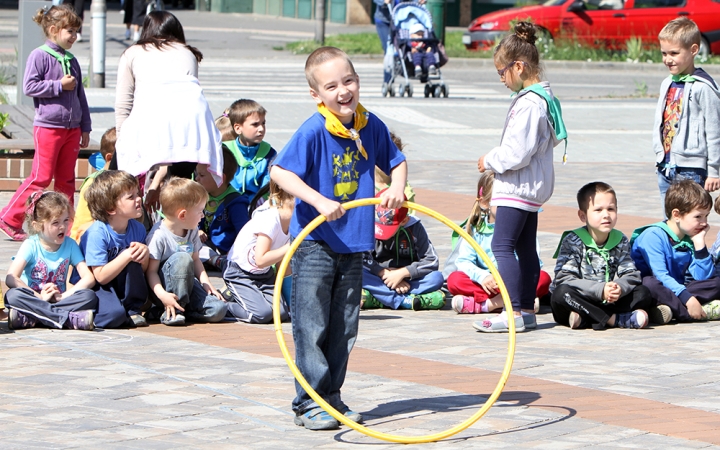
(226, 212)
(262, 242)
(402, 271)
(37, 276)
(469, 280)
(175, 273)
(596, 282)
(672, 257)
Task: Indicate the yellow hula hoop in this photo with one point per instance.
(332, 411)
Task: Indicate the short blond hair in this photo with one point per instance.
(321, 56)
(181, 193)
(681, 30)
(105, 191)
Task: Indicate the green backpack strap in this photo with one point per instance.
(64, 60)
(456, 235)
(554, 114)
(262, 152)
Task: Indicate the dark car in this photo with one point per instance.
(607, 23)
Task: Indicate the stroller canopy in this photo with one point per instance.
(406, 14)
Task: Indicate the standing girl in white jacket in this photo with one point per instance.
(524, 176)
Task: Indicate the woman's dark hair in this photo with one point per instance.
(161, 28)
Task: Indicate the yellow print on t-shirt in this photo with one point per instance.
(346, 177)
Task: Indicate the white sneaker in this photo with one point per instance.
(136, 36)
(79, 38)
(127, 34)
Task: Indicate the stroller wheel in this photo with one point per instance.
(409, 90)
(445, 91)
(384, 89)
(438, 91)
(428, 90)
(391, 90)
(401, 90)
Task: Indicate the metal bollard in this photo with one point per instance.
(98, 12)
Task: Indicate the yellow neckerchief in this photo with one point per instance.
(336, 128)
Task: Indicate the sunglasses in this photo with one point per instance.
(502, 71)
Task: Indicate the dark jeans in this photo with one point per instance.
(53, 315)
(122, 297)
(705, 291)
(177, 275)
(515, 234)
(325, 310)
(566, 299)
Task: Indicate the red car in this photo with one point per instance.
(606, 23)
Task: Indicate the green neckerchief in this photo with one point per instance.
(213, 203)
(555, 112)
(64, 60)
(682, 78)
(677, 242)
(243, 163)
(613, 240)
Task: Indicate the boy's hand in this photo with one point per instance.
(611, 292)
(84, 139)
(138, 252)
(699, 239)
(695, 309)
(203, 236)
(332, 210)
(481, 164)
(393, 278)
(712, 184)
(170, 302)
(210, 289)
(489, 285)
(68, 83)
(403, 287)
(393, 197)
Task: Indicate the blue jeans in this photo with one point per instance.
(177, 275)
(383, 32)
(388, 297)
(325, 310)
(677, 174)
(516, 234)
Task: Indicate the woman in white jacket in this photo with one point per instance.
(524, 176)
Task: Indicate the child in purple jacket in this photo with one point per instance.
(62, 118)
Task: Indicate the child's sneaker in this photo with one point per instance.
(16, 234)
(660, 314)
(574, 321)
(81, 320)
(433, 70)
(462, 304)
(316, 419)
(529, 320)
(418, 70)
(368, 301)
(138, 321)
(350, 414)
(499, 324)
(431, 300)
(712, 310)
(177, 321)
(635, 319)
(18, 321)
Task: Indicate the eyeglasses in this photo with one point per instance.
(502, 71)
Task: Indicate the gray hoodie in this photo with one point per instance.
(697, 141)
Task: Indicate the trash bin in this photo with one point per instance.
(437, 10)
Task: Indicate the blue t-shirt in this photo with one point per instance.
(101, 244)
(43, 266)
(335, 168)
(249, 180)
(229, 218)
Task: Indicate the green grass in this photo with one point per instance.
(554, 50)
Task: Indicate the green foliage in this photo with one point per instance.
(4, 119)
(641, 88)
(352, 44)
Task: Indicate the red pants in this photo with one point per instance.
(56, 151)
(460, 284)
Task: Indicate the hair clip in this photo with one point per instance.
(32, 203)
(224, 114)
(480, 193)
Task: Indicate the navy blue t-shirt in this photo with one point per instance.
(335, 168)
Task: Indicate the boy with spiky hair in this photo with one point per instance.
(686, 133)
(331, 159)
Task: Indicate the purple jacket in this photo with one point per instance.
(55, 108)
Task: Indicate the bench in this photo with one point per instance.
(17, 148)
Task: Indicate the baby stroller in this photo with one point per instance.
(408, 16)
